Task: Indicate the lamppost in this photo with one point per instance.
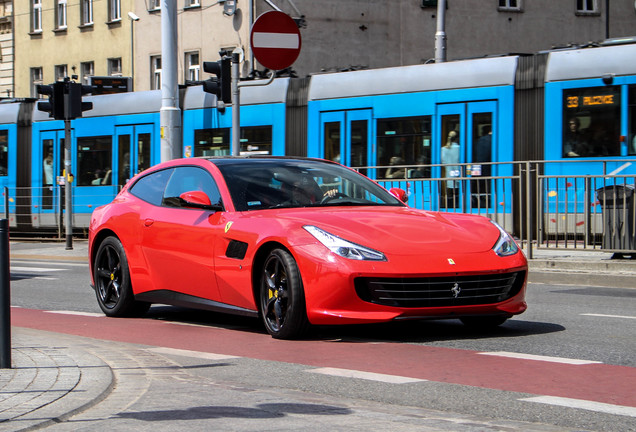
(133, 18)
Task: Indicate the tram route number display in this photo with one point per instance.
(586, 98)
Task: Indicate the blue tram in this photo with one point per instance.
(463, 123)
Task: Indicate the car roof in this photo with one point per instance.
(230, 160)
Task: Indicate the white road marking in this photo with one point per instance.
(583, 404)
(57, 263)
(348, 373)
(539, 358)
(67, 312)
(609, 316)
(188, 353)
(35, 269)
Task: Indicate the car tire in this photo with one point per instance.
(112, 281)
(282, 297)
(483, 322)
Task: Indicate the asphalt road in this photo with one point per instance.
(452, 368)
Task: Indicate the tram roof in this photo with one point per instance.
(483, 72)
(115, 104)
(591, 62)
(276, 92)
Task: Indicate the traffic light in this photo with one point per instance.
(55, 105)
(75, 106)
(65, 99)
(221, 86)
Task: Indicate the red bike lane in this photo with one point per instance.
(594, 382)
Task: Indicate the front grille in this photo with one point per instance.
(440, 291)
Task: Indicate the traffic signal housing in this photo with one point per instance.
(65, 99)
(75, 106)
(221, 86)
(55, 104)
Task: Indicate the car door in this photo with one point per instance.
(178, 242)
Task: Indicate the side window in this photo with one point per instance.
(186, 179)
(591, 122)
(150, 187)
(4, 153)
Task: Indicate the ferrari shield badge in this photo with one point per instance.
(450, 260)
(227, 226)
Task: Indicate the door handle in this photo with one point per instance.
(149, 222)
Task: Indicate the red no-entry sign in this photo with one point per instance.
(275, 40)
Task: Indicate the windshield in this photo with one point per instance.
(286, 183)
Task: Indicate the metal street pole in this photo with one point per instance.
(5, 297)
(236, 106)
(170, 114)
(440, 34)
(68, 185)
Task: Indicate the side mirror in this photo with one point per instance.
(198, 199)
(400, 194)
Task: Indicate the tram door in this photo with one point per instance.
(133, 151)
(345, 138)
(466, 144)
(52, 169)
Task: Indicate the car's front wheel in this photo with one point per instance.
(112, 281)
(282, 296)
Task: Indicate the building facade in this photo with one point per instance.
(6, 48)
(61, 38)
(57, 38)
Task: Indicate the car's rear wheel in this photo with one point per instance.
(112, 281)
(282, 296)
(483, 322)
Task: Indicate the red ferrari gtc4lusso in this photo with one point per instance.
(297, 242)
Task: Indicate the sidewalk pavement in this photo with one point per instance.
(62, 382)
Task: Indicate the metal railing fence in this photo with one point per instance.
(573, 204)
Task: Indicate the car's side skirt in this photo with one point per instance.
(178, 299)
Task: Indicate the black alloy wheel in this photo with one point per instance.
(282, 297)
(112, 281)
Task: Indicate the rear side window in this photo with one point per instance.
(150, 187)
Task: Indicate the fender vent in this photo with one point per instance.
(236, 249)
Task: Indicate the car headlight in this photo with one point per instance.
(505, 245)
(344, 248)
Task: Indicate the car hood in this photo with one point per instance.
(400, 230)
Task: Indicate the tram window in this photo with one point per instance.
(4, 153)
(256, 140)
(591, 122)
(94, 161)
(212, 142)
(332, 141)
(404, 141)
(631, 143)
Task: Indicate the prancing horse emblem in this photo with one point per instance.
(456, 290)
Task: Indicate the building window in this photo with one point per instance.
(155, 72)
(36, 16)
(114, 10)
(154, 5)
(192, 3)
(61, 72)
(87, 12)
(87, 70)
(36, 79)
(193, 65)
(510, 5)
(114, 66)
(60, 15)
(587, 7)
